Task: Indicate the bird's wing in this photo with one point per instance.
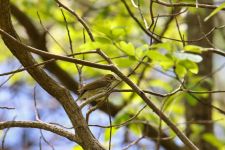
(94, 85)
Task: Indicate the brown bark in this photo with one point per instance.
(200, 111)
(47, 83)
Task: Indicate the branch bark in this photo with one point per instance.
(63, 96)
(40, 125)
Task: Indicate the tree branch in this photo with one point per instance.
(53, 88)
(41, 125)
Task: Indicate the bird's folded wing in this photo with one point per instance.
(94, 85)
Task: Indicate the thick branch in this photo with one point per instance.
(39, 41)
(65, 98)
(40, 125)
(47, 83)
(54, 56)
(122, 76)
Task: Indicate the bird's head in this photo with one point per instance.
(110, 78)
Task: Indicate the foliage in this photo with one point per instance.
(164, 66)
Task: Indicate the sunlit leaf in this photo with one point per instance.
(180, 70)
(128, 48)
(215, 11)
(141, 51)
(189, 65)
(161, 59)
(191, 57)
(196, 130)
(193, 48)
(161, 84)
(162, 46)
(212, 139)
(118, 32)
(125, 62)
(107, 133)
(103, 39)
(77, 147)
(191, 100)
(136, 129)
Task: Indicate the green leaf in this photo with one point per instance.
(161, 59)
(157, 56)
(191, 57)
(161, 84)
(122, 117)
(101, 42)
(89, 46)
(107, 133)
(128, 48)
(191, 100)
(136, 129)
(169, 46)
(180, 70)
(125, 62)
(215, 11)
(103, 39)
(193, 48)
(141, 51)
(212, 139)
(189, 65)
(77, 147)
(197, 129)
(118, 32)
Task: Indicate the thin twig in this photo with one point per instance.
(4, 136)
(150, 34)
(4, 107)
(46, 30)
(133, 143)
(126, 122)
(78, 18)
(4, 82)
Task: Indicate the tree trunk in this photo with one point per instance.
(200, 111)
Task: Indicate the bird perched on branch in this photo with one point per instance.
(98, 86)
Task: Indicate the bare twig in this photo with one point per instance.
(40, 125)
(186, 5)
(46, 141)
(78, 18)
(139, 24)
(117, 71)
(4, 136)
(7, 79)
(126, 122)
(4, 107)
(133, 143)
(59, 57)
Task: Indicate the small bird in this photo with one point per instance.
(98, 86)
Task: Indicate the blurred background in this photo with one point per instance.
(40, 23)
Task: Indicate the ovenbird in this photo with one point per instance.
(98, 86)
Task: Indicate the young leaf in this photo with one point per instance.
(212, 139)
(157, 56)
(191, 57)
(190, 66)
(215, 11)
(128, 48)
(193, 48)
(161, 84)
(180, 70)
(160, 59)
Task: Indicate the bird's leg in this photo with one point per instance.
(99, 104)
